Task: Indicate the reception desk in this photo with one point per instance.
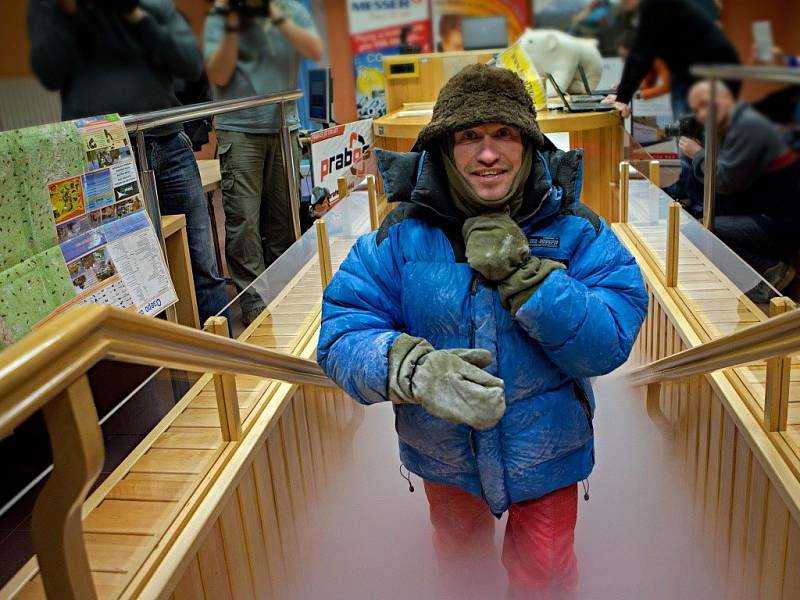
(600, 134)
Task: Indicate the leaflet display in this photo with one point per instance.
(78, 232)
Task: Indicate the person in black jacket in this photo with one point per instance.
(123, 56)
(681, 33)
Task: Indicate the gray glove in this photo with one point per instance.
(495, 245)
(449, 384)
(518, 287)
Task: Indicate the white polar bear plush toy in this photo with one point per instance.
(558, 53)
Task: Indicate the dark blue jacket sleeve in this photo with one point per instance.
(361, 318)
(587, 318)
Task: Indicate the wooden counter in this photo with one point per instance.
(173, 227)
(600, 134)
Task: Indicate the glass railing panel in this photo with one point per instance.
(647, 214)
(346, 222)
(266, 289)
(715, 278)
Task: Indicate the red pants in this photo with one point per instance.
(538, 546)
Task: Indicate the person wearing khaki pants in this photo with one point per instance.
(250, 55)
(258, 219)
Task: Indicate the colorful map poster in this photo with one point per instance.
(72, 225)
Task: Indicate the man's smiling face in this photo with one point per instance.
(488, 156)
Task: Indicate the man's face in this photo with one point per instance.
(700, 98)
(488, 156)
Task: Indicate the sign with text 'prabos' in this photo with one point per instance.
(341, 151)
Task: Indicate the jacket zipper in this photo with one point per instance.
(473, 290)
(583, 400)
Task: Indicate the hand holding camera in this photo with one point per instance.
(689, 146)
(245, 8)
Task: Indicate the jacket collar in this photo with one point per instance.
(418, 178)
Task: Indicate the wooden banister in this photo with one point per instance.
(778, 336)
(47, 371)
(51, 358)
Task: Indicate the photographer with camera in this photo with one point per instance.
(255, 47)
(123, 56)
(758, 184)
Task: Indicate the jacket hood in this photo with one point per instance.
(419, 178)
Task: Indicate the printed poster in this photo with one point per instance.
(607, 21)
(448, 16)
(341, 151)
(379, 29)
(73, 228)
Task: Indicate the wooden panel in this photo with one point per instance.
(315, 438)
(188, 438)
(262, 476)
(160, 460)
(233, 541)
(127, 516)
(116, 553)
(726, 487)
(213, 569)
(107, 585)
(704, 426)
(283, 500)
(714, 451)
(739, 514)
(199, 417)
(754, 546)
(291, 454)
(254, 536)
(304, 444)
(776, 533)
(152, 489)
(190, 586)
(180, 270)
(791, 579)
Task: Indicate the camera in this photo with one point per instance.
(685, 126)
(251, 8)
(247, 8)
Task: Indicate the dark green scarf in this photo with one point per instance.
(467, 200)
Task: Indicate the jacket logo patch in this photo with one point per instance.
(540, 241)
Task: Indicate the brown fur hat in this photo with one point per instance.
(481, 94)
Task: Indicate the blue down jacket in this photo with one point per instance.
(411, 276)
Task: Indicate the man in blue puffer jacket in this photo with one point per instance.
(481, 308)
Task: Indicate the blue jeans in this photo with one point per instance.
(679, 99)
(760, 240)
(180, 191)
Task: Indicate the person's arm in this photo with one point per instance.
(361, 317)
(587, 317)
(221, 45)
(642, 53)
(171, 43)
(54, 48)
(299, 32)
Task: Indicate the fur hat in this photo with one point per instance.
(481, 94)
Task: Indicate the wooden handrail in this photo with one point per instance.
(778, 336)
(51, 358)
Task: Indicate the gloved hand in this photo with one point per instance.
(495, 245)
(517, 288)
(450, 384)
